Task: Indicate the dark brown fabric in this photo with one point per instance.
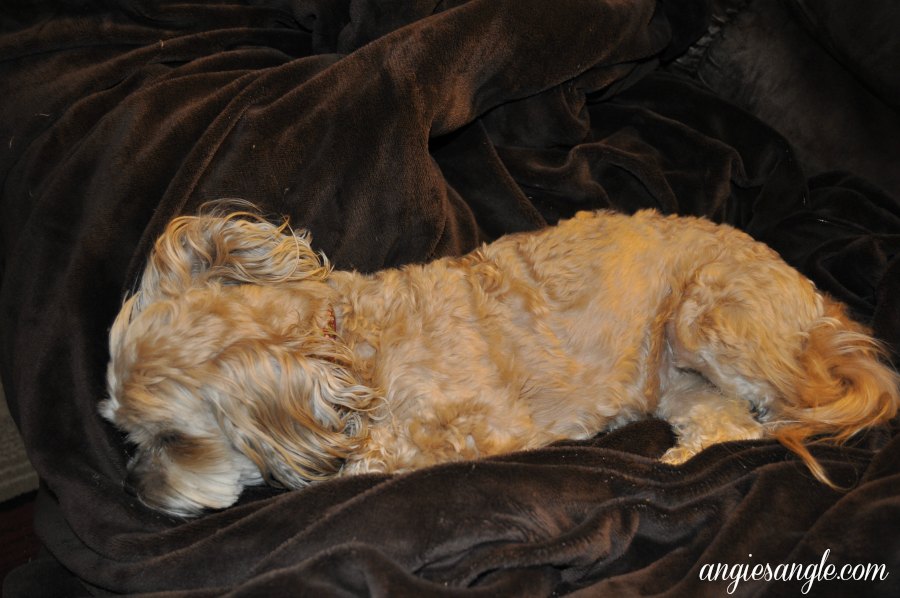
(399, 132)
(824, 73)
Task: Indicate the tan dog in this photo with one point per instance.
(244, 358)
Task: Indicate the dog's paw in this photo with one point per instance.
(677, 455)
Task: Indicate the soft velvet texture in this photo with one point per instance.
(399, 132)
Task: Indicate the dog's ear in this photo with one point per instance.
(299, 417)
(227, 247)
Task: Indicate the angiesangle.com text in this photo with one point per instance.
(808, 573)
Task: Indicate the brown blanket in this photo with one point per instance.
(400, 132)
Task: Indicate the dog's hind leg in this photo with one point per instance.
(701, 416)
(758, 330)
(741, 322)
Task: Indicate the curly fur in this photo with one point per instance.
(244, 358)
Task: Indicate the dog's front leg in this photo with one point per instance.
(701, 416)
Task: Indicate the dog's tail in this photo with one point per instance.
(843, 386)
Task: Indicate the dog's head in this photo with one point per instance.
(224, 367)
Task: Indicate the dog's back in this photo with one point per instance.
(583, 326)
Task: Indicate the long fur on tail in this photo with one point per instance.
(844, 387)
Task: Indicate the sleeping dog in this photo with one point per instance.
(244, 358)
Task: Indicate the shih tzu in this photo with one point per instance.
(244, 358)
